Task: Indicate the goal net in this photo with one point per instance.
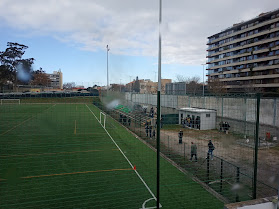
(103, 119)
(10, 101)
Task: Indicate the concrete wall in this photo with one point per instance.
(239, 111)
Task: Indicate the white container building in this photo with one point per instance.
(202, 119)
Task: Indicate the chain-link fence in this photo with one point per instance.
(79, 150)
(237, 170)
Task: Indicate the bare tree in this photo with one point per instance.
(40, 78)
(217, 87)
(250, 88)
(193, 84)
(181, 78)
(69, 85)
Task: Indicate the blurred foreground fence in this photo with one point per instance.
(232, 171)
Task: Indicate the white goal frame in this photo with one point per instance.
(10, 100)
(104, 116)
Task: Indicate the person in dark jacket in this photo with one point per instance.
(180, 135)
(210, 149)
(150, 131)
(146, 129)
(193, 151)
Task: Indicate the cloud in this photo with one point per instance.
(131, 27)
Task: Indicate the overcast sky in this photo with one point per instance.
(72, 35)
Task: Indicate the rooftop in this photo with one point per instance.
(192, 109)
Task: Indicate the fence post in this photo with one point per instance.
(221, 176)
(222, 107)
(245, 115)
(256, 147)
(237, 181)
(168, 145)
(184, 153)
(140, 125)
(207, 170)
(274, 109)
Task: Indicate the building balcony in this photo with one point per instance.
(246, 62)
(246, 30)
(246, 54)
(260, 68)
(269, 85)
(265, 32)
(258, 77)
(246, 46)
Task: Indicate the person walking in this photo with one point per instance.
(210, 149)
(193, 151)
(180, 135)
(146, 129)
(154, 133)
(150, 131)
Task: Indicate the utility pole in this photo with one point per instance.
(130, 83)
(159, 107)
(107, 70)
(203, 79)
(155, 75)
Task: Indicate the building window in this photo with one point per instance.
(249, 58)
(207, 115)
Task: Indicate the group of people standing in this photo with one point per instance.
(150, 132)
(123, 119)
(194, 150)
(224, 126)
(191, 122)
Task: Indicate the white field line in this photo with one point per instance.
(126, 158)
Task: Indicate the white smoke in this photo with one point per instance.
(113, 104)
(23, 73)
(236, 187)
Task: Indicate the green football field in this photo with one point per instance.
(60, 156)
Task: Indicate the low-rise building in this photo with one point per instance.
(56, 79)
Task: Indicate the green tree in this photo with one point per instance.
(10, 59)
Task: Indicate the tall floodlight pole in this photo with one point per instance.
(159, 108)
(203, 79)
(107, 70)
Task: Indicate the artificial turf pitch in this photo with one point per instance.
(60, 156)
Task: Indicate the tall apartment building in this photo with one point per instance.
(246, 55)
(56, 79)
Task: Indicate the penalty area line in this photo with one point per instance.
(145, 184)
(73, 173)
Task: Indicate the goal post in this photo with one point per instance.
(103, 119)
(10, 101)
